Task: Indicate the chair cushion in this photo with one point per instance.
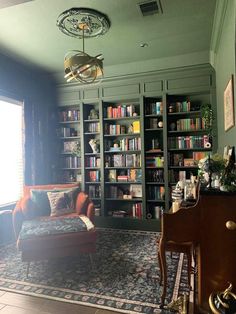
(45, 226)
(61, 202)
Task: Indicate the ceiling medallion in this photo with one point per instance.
(69, 22)
(83, 23)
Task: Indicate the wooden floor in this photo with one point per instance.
(14, 303)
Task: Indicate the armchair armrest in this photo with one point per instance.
(25, 209)
(18, 217)
(84, 206)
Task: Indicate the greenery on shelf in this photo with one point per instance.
(207, 116)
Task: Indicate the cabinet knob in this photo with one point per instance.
(231, 225)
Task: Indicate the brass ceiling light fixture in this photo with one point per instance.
(83, 23)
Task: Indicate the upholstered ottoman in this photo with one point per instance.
(50, 237)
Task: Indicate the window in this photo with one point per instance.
(11, 156)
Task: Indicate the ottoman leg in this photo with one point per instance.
(91, 260)
(28, 266)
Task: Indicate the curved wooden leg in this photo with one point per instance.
(164, 270)
(189, 257)
(160, 263)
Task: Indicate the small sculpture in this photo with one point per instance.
(94, 143)
(93, 114)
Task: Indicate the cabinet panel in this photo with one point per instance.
(121, 90)
(70, 97)
(156, 86)
(91, 93)
(189, 82)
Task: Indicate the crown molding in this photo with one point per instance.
(218, 22)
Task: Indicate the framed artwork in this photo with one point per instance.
(136, 190)
(229, 105)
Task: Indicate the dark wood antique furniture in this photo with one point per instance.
(210, 226)
(179, 233)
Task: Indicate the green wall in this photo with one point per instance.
(225, 67)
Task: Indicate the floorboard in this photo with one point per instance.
(14, 303)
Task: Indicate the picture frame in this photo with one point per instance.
(136, 190)
(229, 120)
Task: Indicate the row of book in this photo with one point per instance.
(184, 106)
(94, 191)
(69, 115)
(181, 160)
(70, 176)
(128, 192)
(194, 141)
(124, 144)
(68, 132)
(153, 123)
(135, 212)
(156, 192)
(117, 129)
(155, 176)
(154, 108)
(120, 160)
(93, 127)
(175, 176)
(190, 124)
(154, 161)
(129, 175)
(93, 162)
(121, 111)
(71, 162)
(94, 176)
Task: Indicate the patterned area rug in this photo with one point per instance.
(125, 277)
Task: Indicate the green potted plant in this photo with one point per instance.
(207, 117)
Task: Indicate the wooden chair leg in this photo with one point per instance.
(164, 270)
(189, 258)
(160, 265)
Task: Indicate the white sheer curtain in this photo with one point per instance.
(11, 152)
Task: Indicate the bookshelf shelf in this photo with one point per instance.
(72, 168)
(122, 135)
(191, 149)
(154, 130)
(92, 154)
(183, 167)
(122, 152)
(123, 183)
(70, 138)
(69, 122)
(122, 118)
(91, 121)
(133, 167)
(153, 115)
(188, 131)
(124, 199)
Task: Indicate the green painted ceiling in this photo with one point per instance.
(28, 31)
